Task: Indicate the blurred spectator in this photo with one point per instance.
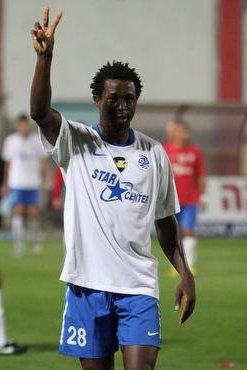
(7, 346)
(24, 159)
(169, 131)
(189, 171)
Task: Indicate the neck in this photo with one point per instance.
(115, 137)
(181, 144)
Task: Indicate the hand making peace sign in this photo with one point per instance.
(43, 37)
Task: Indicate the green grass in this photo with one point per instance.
(216, 332)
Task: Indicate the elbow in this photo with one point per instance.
(35, 115)
(38, 116)
(38, 111)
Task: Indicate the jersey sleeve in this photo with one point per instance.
(167, 200)
(62, 150)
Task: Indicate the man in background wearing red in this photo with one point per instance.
(189, 171)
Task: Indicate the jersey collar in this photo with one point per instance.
(130, 141)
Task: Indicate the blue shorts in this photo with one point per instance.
(95, 323)
(187, 217)
(24, 197)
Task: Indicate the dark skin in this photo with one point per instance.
(117, 107)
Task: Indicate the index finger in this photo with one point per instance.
(57, 20)
(46, 16)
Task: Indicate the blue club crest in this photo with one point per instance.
(144, 162)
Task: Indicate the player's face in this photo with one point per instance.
(24, 127)
(182, 135)
(169, 130)
(117, 104)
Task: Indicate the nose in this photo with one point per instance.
(121, 104)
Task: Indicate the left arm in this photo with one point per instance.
(201, 184)
(201, 178)
(169, 239)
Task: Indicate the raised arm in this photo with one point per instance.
(47, 118)
(169, 239)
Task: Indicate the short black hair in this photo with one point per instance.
(118, 71)
(22, 117)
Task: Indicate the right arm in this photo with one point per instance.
(48, 119)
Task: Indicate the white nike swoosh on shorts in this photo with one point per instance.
(150, 334)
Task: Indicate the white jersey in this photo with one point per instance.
(25, 155)
(109, 211)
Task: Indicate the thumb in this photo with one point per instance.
(178, 299)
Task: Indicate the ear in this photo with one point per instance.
(97, 101)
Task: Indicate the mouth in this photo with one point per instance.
(121, 116)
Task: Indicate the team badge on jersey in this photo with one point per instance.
(121, 163)
(144, 162)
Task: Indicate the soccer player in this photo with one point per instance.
(189, 170)
(7, 346)
(24, 158)
(117, 182)
(169, 130)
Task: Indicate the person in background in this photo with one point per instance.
(190, 173)
(58, 190)
(24, 159)
(7, 346)
(169, 130)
